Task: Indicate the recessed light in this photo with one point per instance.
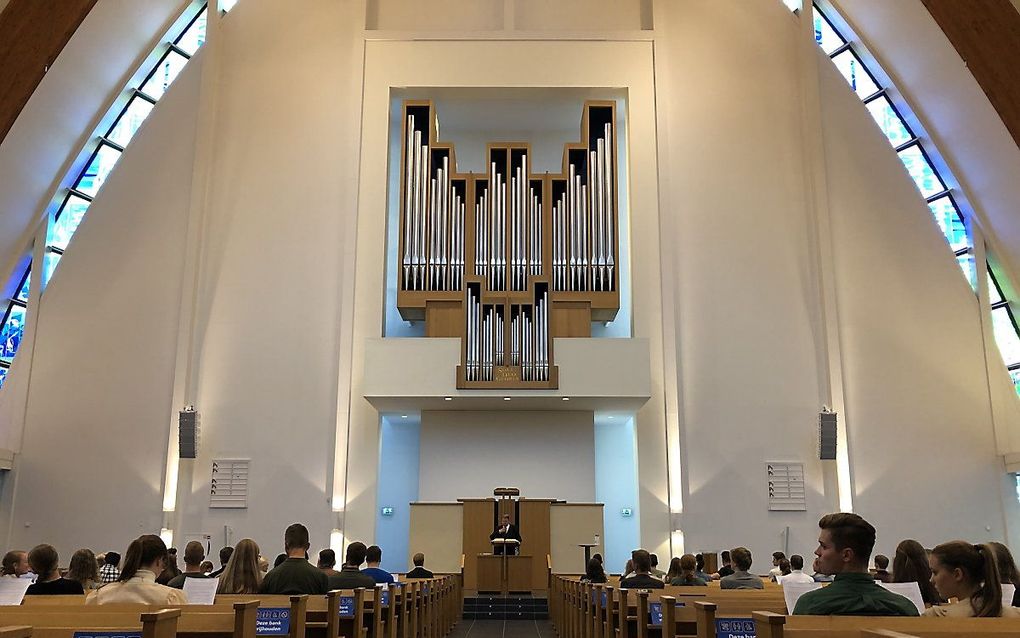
(566, 398)
(403, 416)
(447, 398)
(506, 398)
(611, 416)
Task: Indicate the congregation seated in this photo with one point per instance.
(593, 573)
(84, 569)
(43, 560)
(373, 558)
(683, 572)
(642, 578)
(699, 569)
(109, 573)
(419, 570)
(727, 566)
(171, 570)
(1008, 572)
(741, 578)
(845, 542)
(15, 564)
(796, 574)
(350, 575)
(225, 553)
(146, 556)
(910, 565)
(969, 574)
(775, 572)
(194, 554)
(882, 574)
(242, 574)
(656, 572)
(326, 562)
(295, 575)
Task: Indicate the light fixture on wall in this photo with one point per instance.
(626, 512)
(447, 398)
(566, 398)
(506, 398)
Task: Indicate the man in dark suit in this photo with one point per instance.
(506, 531)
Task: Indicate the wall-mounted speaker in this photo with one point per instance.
(188, 439)
(827, 436)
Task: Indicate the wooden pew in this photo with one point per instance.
(224, 623)
(771, 625)
(15, 632)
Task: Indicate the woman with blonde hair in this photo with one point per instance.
(242, 574)
(969, 574)
(84, 569)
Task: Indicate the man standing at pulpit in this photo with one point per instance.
(505, 531)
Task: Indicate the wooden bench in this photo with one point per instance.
(771, 625)
(238, 622)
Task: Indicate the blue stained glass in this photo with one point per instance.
(23, 292)
(1006, 336)
(67, 222)
(966, 261)
(92, 179)
(164, 74)
(49, 265)
(951, 222)
(921, 171)
(194, 37)
(885, 116)
(825, 36)
(854, 73)
(129, 121)
(12, 332)
(3, 376)
(1016, 383)
(993, 291)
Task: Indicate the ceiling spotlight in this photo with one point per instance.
(506, 398)
(447, 398)
(566, 398)
(403, 416)
(611, 416)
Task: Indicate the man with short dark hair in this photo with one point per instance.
(727, 565)
(373, 557)
(882, 574)
(741, 578)
(656, 572)
(419, 570)
(327, 561)
(109, 573)
(194, 554)
(642, 578)
(225, 554)
(295, 575)
(776, 571)
(845, 542)
(350, 575)
(796, 574)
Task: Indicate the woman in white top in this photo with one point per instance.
(968, 573)
(146, 556)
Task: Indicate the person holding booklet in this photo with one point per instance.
(845, 542)
(967, 573)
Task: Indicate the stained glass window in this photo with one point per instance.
(92, 178)
(11, 332)
(950, 221)
(129, 121)
(23, 291)
(164, 74)
(68, 219)
(889, 121)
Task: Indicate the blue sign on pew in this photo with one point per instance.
(605, 599)
(655, 611)
(107, 634)
(734, 628)
(272, 621)
(385, 598)
(347, 606)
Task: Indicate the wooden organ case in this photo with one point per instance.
(509, 259)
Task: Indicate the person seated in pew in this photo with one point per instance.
(775, 571)
(699, 569)
(844, 549)
(882, 574)
(43, 560)
(784, 569)
(194, 555)
(419, 570)
(242, 574)
(687, 566)
(146, 556)
(642, 578)
(628, 569)
(327, 562)
(593, 572)
(658, 573)
(225, 553)
(1008, 572)
(206, 568)
(109, 573)
(15, 564)
(84, 569)
(295, 575)
(796, 574)
(171, 571)
(967, 573)
(373, 557)
(598, 557)
(910, 565)
(727, 566)
(741, 578)
(351, 576)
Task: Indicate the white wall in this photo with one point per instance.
(545, 454)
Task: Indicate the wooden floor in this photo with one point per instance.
(503, 629)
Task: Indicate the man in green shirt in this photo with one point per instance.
(844, 549)
(295, 575)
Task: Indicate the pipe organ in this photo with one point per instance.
(508, 259)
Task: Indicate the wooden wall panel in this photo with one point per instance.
(571, 524)
(986, 34)
(477, 527)
(534, 526)
(32, 35)
(435, 528)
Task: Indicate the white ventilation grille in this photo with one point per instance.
(229, 486)
(786, 486)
